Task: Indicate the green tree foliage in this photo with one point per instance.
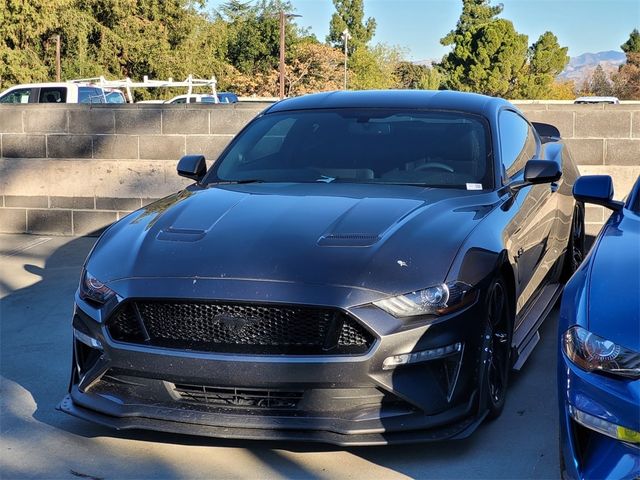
(632, 45)
(489, 56)
(546, 59)
(350, 14)
(599, 83)
(417, 77)
(374, 68)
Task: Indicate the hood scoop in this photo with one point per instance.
(181, 234)
(348, 240)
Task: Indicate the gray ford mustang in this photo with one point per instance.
(355, 268)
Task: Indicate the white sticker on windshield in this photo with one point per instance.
(474, 186)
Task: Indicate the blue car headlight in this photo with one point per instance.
(596, 354)
(94, 290)
(437, 300)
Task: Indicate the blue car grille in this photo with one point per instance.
(240, 328)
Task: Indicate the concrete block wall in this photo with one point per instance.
(72, 169)
(603, 139)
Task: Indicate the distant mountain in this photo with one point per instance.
(580, 68)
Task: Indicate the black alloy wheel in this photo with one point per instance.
(575, 247)
(496, 348)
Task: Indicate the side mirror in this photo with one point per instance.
(541, 171)
(596, 189)
(193, 167)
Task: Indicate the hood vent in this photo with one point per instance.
(348, 240)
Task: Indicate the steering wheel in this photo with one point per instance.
(437, 165)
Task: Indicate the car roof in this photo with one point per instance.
(52, 84)
(403, 99)
(596, 99)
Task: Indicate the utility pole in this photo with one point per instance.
(346, 36)
(283, 18)
(58, 58)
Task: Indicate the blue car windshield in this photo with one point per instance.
(417, 147)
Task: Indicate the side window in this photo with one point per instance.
(20, 95)
(90, 95)
(517, 142)
(115, 97)
(180, 100)
(53, 95)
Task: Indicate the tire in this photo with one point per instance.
(575, 247)
(496, 348)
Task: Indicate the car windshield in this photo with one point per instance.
(431, 148)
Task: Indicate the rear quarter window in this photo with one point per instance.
(53, 95)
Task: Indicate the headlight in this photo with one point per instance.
(93, 289)
(436, 300)
(596, 354)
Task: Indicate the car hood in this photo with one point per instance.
(390, 239)
(613, 302)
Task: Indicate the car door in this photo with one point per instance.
(528, 234)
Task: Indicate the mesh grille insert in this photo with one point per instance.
(240, 328)
(237, 397)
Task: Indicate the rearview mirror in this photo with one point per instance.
(541, 171)
(596, 189)
(193, 167)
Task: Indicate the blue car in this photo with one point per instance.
(599, 366)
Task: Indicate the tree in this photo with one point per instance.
(632, 45)
(546, 59)
(626, 82)
(350, 14)
(412, 76)
(314, 68)
(599, 83)
(487, 58)
(474, 13)
(374, 68)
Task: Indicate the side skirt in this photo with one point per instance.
(526, 336)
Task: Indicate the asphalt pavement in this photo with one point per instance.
(38, 276)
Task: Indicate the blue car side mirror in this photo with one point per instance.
(193, 167)
(596, 189)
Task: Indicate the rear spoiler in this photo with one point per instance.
(546, 132)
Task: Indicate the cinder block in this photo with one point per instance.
(36, 201)
(23, 146)
(622, 152)
(129, 179)
(593, 214)
(49, 120)
(225, 119)
(138, 121)
(72, 203)
(71, 178)
(24, 176)
(147, 201)
(191, 121)
(56, 222)
(604, 124)
(69, 146)
(586, 151)
(162, 148)
(111, 203)
(13, 220)
(92, 121)
(10, 120)
(562, 120)
(208, 145)
(92, 223)
(115, 146)
(635, 125)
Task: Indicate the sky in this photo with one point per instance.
(417, 25)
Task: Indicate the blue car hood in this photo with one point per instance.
(614, 287)
(349, 235)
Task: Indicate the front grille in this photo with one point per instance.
(240, 328)
(238, 397)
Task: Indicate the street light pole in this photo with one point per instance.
(345, 36)
(283, 18)
(57, 58)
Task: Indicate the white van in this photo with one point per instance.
(62, 92)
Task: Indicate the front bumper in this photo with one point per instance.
(585, 452)
(344, 400)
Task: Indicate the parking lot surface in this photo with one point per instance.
(38, 276)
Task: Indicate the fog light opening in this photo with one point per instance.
(604, 427)
(86, 339)
(422, 356)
